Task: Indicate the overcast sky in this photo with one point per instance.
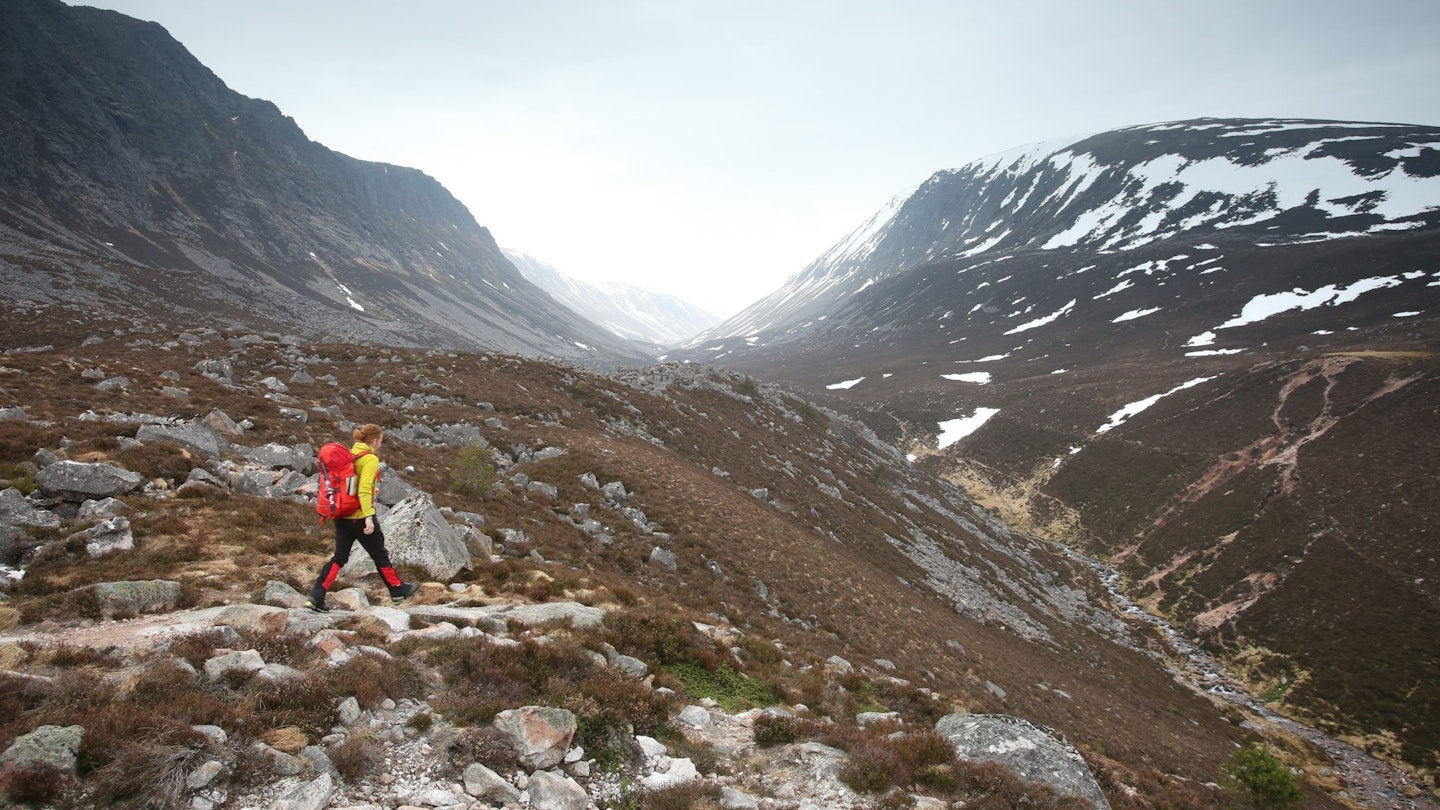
(713, 149)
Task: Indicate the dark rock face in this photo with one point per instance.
(131, 176)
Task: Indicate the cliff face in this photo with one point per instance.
(129, 169)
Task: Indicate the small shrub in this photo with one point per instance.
(770, 730)
(1256, 778)
(872, 767)
(36, 783)
(473, 471)
(358, 755)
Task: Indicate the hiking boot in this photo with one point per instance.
(318, 607)
(401, 591)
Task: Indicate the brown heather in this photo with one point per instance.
(836, 586)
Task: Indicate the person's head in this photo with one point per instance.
(369, 434)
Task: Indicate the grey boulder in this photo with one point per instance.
(1028, 749)
(79, 481)
(416, 533)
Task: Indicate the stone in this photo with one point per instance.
(314, 795)
(630, 665)
(54, 746)
(676, 772)
(397, 620)
(488, 786)
(663, 557)
(732, 799)
(135, 598)
(246, 661)
(280, 673)
(552, 791)
(196, 436)
(80, 481)
(1031, 751)
(864, 719)
(106, 537)
(694, 716)
(18, 510)
(103, 509)
(265, 619)
(348, 711)
(299, 457)
(205, 774)
(416, 533)
(576, 614)
(215, 734)
(353, 599)
(281, 595)
(221, 423)
(540, 735)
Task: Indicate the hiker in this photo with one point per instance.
(361, 525)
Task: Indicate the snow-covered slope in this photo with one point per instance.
(630, 312)
(1271, 180)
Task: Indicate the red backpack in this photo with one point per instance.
(339, 493)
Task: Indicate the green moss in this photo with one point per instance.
(733, 690)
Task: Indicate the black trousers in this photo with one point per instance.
(347, 532)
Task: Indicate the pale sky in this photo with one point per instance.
(713, 149)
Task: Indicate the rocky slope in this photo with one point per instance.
(836, 577)
(133, 179)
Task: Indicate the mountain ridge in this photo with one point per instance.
(132, 171)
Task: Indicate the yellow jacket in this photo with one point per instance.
(367, 469)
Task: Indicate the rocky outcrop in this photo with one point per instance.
(416, 533)
(79, 481)
(1019, 744)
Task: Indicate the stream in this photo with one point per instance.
(1370, 782)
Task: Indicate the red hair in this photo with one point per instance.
(367, 433)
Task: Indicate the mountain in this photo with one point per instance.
(1210, 179)
(633, 313)
(1204, 351)
(132, 178)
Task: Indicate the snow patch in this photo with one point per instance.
(1118, 418)
(953, 430)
